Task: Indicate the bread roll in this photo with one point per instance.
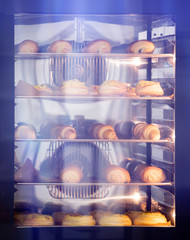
(150, 132)
(150, 88)
(60, 46)
(28, 46)
(98, 46)
(115, 174)
(71, 174)
(141, 46)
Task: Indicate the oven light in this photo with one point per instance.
(136, 197)
(173, 136)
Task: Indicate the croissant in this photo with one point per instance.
(137, 130)
(63, 132)
(60, 46)
(71, 174)
(150, 132)
(149, 174)
(25, 131)
(115, 174)
(101, 131)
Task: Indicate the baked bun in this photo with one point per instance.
(115, 220)
(74, 87)
(151, 219)
(112, 87)
(28, 46)
(36, 219)
(98, 46)
(115, 174)
(149, 174)
(73, 219)
(141, 46)
(60, 46)
(63, 132)
(25, 131)
(150, 88)
(71, 174)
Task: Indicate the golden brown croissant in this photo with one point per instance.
(60, 46)
(115, 220)
(71, 174)
(98, 46)
(115, 174)
(25, 131)
(141, 46)
(63, 132)
(146, 131)
(149, 174)
(101, 131)
(150, 132)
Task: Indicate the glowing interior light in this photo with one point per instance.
(173, 215)
(136, 197)
(173, 136)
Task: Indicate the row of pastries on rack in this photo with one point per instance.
(91, 129)
(95, 46)
(125, 212)
(62, 169)
(75, 87)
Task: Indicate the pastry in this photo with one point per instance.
(146, 131)
(101, 131)
(115, 174)
(98, 46)
(71, 174)
(141, 46)
(36, 219)
(28, 46)
(149, 174)
(26, 173)
(63, 132)
(151, 219)
(150, 132)
(149, 88)
(115, 220)
(137, 130)
(60, 46)
(73, 219)
(131, 92)
(74, 87)
(25, 131)
(112, 87)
